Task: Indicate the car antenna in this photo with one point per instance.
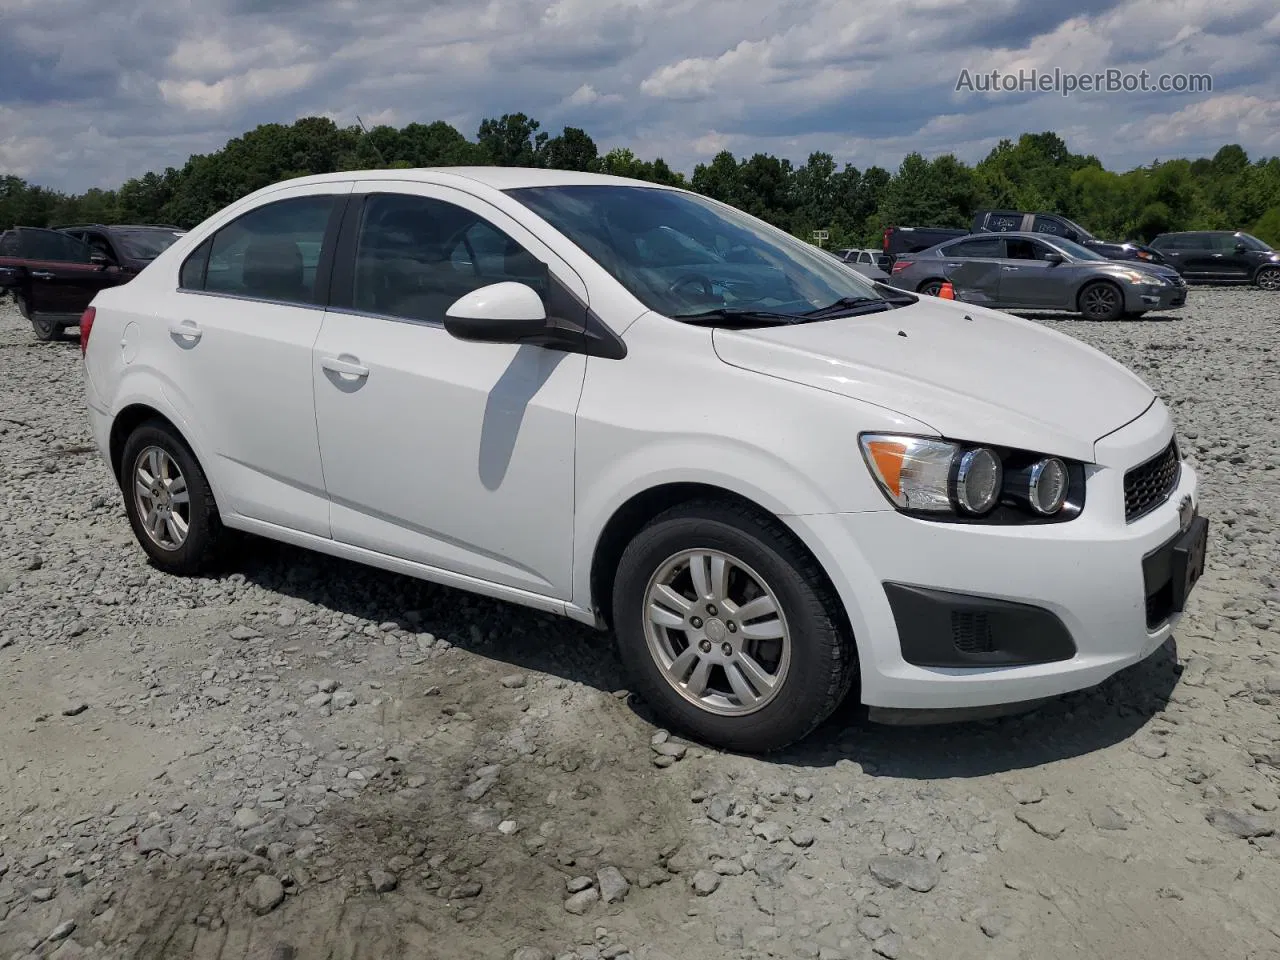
(381, 159)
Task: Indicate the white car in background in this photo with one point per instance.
(646, 410)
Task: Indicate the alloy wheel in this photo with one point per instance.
(1099, 301)
(163, 501)
(717, 632)
(1269, 279)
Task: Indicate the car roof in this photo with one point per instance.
(1183, 233)
(116, 226)
(499, 178)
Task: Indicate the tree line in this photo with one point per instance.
(1036, 172)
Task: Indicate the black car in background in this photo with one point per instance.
(54, 274)
(1221, 256)
(896, 241)
(1005, 221)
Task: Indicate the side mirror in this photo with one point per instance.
(99, 258)
(506, 312)
(1054, 258)
(1241, 248)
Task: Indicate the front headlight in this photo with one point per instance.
(1135, 276)
(946, 480)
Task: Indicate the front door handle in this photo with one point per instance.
(345, 367)
(1008, 268)
(188, 330)
(42, 274)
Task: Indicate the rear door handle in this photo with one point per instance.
(187, 330)
(347, 368)
(42, 274)
(1008, 268)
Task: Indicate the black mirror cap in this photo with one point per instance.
(488, 330)
(1054, 258)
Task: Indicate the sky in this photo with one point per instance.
(93, 92)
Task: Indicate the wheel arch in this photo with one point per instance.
(128, 420)
(641, 508)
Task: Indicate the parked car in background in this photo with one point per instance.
(1035, 271)
(899, 240)
(1221, 256)
(865, 262)
(53, 274)
(866, 257)
(587, 389)
(1004, 221)
(129, 246)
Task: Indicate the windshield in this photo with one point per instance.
(1076, 250)
(1252, 242)
(685, 256)
(146, 244)
(1080, 231)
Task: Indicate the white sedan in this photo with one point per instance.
(645, 410)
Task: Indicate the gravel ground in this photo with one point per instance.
(307, 759)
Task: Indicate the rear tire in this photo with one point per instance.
(176, 520)
(792, 651)
(1268, 278)
(1101, 300)
(46, 329)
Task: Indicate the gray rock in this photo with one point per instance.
(329, 685)
(383, 881)
(888, 946)
(42, 894)
(343, 699)
(153, 839)
(770, 831)
(803, 838)
(614, 887)
(514, 681)
(577, 884)
(62, 931)
(582, 901)
(910, 872)
(873, 928)
(531, 953)
(244, 632)
(705, 883)
(1026, 792)
(995, 925)
(219, 695)
(75, 709)
(1108, 818)
(264, 895)
(1239, 824)
(246, 818)
(1043, 822)
(318, 700)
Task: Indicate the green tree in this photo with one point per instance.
(512, 141)
(571, 150)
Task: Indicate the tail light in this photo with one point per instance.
(86, 328)
(899, 265)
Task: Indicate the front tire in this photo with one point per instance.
(169, 502)
(1268, 278)
(930, 288)
(47, 330)
(1101, 300)
(729, 629)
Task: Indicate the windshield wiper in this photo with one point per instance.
(849, 307)
(731, 317)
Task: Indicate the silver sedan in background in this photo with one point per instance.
(1032, 271)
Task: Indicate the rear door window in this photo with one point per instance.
(971, 249)
(52, 246)
(270, 253)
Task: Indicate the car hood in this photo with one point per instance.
(968, 372)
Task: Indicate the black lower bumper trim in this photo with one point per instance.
(1171, 571)
(938, 628)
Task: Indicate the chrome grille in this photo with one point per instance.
(1149, 484)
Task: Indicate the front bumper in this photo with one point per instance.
(1154, 298)
(1086, 575)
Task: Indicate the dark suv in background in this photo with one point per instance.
(1221, 256)
(54, 274)
(1005, 221)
